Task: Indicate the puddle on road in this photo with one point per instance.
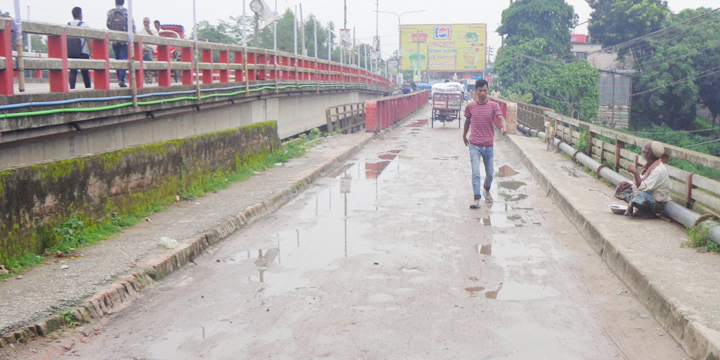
(474, 289)
(512, 185)
(501, 221)
(513, 198)
(512, 291)
(325, 232)
(374, 169)
(418, 123)
(506, 171)
(485, 249)
(494, 294)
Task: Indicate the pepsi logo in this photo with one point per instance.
(443, 32)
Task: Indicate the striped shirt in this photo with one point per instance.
(482, 118)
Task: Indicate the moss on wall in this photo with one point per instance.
(35, 199)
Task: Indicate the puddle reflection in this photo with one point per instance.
(512, 185)
(506, 171)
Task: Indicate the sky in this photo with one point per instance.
(360, 13)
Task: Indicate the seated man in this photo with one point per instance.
(650, 190)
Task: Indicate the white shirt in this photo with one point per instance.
(144, 32)
(85, 47)
(657, 184)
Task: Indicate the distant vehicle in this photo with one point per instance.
(447, 99)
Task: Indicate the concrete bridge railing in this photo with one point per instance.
(235, 65)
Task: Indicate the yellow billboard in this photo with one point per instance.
(450, 47)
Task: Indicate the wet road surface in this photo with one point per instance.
(398, 268)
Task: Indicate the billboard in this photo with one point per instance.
(444, 47)
(393, 67)
(346, 39)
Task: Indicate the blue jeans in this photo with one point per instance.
(486, 154)
(120, 50)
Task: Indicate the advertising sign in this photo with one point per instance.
(444, 47)
(393, 67)
(346, 39)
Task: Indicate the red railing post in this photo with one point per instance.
(139, 57)
(224, 59)
(207, 57)
(239, 74)
(57, 49)
(187, 57)
(251, 60)
(7, 84)
(164, 76)
(101, 51)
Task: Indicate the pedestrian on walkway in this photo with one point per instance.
(147, 30)
(117, 19)
(480, 115)
(650, 191)
(78, 49)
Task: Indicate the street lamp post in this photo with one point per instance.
(256, 6)
(399, 16)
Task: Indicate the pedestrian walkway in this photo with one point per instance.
(61, 284)
(678, 285)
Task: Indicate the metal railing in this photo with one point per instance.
(246, 66)
(383, 113)
(608, 147)
(346, 118)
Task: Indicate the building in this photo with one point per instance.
(598, 58)
(615, 81)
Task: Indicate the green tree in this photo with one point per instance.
(570, 88)
(535, 59)
(673, 70)
(616, 21)
(551, 20)
(217, 34)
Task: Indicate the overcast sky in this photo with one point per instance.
(360, 13)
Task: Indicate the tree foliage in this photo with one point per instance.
(616, 21)
(231, 32)
(678, 73)
(535, 59)
(547, 19)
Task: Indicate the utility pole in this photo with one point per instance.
(329, 44)
(257, 29)
(315, 36)
(377, 18)
(352, 51)
(345, 21)
(29, 35)
(295, 23)
(417, 64)
(302, 32)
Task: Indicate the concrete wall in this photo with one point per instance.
(35, 199)
(294, 115)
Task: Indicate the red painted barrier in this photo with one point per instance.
(260, 62)
(383, 113)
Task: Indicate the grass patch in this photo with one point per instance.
(69, 319)
(700, 239)
(20, 264)
(77, 232)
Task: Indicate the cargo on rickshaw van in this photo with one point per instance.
(447, 99)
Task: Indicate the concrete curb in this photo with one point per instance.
(122, 292)
(696, 339)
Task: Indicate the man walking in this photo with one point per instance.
(117, 20)
(78, 49)
(481, 114)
